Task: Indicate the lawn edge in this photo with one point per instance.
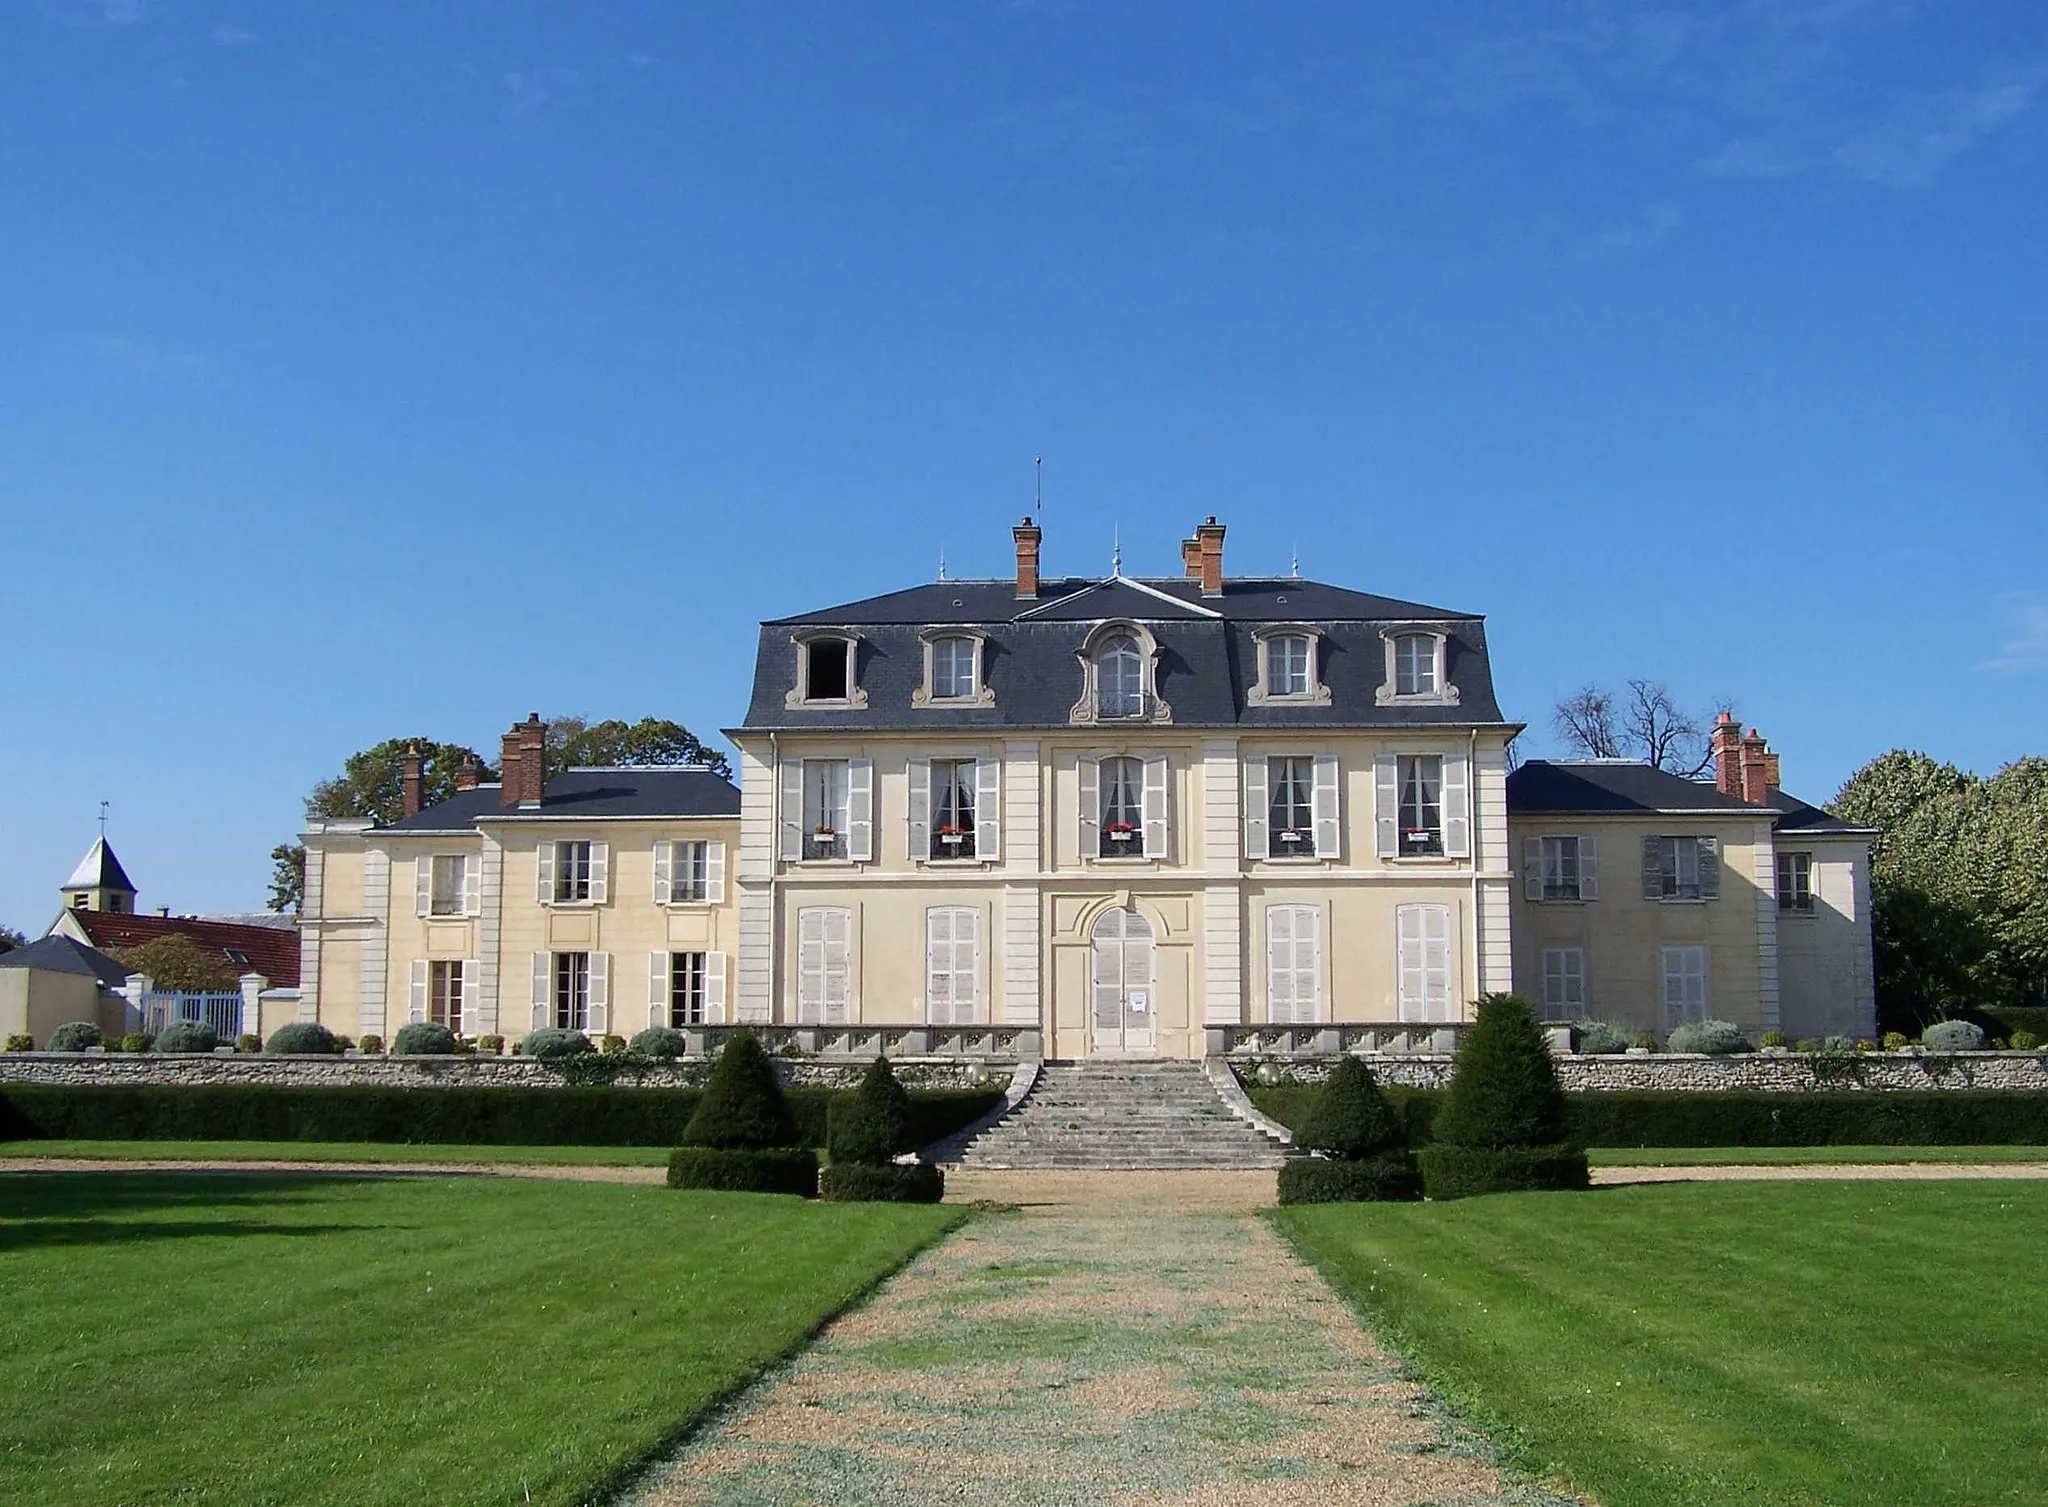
(622, 1479)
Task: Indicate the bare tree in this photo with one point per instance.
(1645, 723)
(1584, 722)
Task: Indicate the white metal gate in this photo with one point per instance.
(1124, 1001)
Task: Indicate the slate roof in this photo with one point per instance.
(272, 951)
(588, 795)
(67, 955)
(1580, 787)
(1208, 659)
(1797, 816)
(99, 869)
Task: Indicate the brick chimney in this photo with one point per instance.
(1027, 536)
(524, 755)
(1728, 755)
(1209, 542)
(1191, 558)
(412, 782)
(466, 775)
(1756, 764)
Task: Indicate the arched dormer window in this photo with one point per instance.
(1119, 672)
(1290, 668)
(1417, 667)
(827, 670)
(1119, 679)
(955, 669)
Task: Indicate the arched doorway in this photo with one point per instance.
(1125, 1003)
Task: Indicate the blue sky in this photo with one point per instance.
(378, 369)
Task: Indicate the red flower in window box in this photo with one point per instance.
(1121, 829)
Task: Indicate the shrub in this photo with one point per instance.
(187, 1036)
(421, 1038)
(302, 1038)
(493, 1044)
(1596, 1038)
(658, 1041)
(1895, 1041)
(138, 1041)
(1503, 1124)
(610, 1045)
(248, 1041)
(1773, 1040)
(742, 1103)
(74, 1036)
(372, 1045)
(1647, 1041)
(746, 1169)
(553, 1041)
(2022, 1041)
(1352, 1120)
(871, 1126)
(1717, 1038)
(19, 1041)
(1317, 1180)
(1806, 1044)
(344, 1043)
(890, 1183)
(1953, 1036)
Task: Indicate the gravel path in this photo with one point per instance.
(1135, 1339)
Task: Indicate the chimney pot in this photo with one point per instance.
(533, 756)
(1728, 755)
(466, 775)
(1027, 535)
(1755, 769)
(412, 782)
(1191, 558)
(1209, 540)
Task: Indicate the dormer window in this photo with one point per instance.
(827, 670)
(1417, 668)
(1119, 669)
(1414, 664)
(1119, 679)
(953, 670)
(1288, 667)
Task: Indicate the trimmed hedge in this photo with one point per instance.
(1716, 1038)
(420, 1038)
(746, 1169)
(743, 1103)
(659, 1042)
(187, 1036)
(302, 1038)
(1466, 1171)
(1316, 1180)
(74, 1036)
(456, 1116)
(873, 1125)
(1953, 1036)
(894, 1183)
(554, 1041)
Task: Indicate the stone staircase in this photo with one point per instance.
(1121, 1116)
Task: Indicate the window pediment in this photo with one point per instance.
(1119, 677)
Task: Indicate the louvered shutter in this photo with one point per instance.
(600, 872)
(543, 990)
(1156, 835)
(810, 965)
(838, 967)
(664, 871)
(544, 873)
(657, 988)
(1457, 806)
(472, 996)
(422, 885)
(920, 810)
(1436, 961)
(988, 809)
(1653, 868)
(600, 992)
(1408, 960)
(714, 871)
(1089, 772)
(1280, 964)
(1258, 839)
(472, 885)
(860, 810)
(1386, 804)
(1532, 868)
(1710, 868)
(418, 1009)
(1589, 868)
(714, 988)
(790, 816)
(938, 965)
(1328, 809)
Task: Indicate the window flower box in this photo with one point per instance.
(1120, 831)
(1294, 837)
(953, 836)
(823, 834)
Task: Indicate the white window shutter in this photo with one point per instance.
(472, 996)
(1280, 964)
(1710, 868)
(664, 871)
(472, 885)
(1436, 960)
(714, 871)
(1328, 811)
(988, 809)
(920, 812)
(714, 987)
(1589, 868)
(790, 817)
(657, 988)
(600, 992)
(1090, 805)
(810, 965)
(860, 809)
(422, 884)
(543, 989)
(1532, 868)
(838, 966)
(1258, 840)
(544, 872)
(1457, 806)
(600, 872)
(418, 1010)
(1155, 807)
(1386, 804)
(1408, 960)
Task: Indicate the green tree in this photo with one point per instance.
(372, 783)
(287, 876)
(11, 939)
(176, 962)
(577, 742)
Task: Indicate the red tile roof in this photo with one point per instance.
(272, 951)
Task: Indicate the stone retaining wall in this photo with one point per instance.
(1792, 1072)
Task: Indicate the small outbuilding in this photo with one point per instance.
(57, 979)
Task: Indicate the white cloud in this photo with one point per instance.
(2025, 616)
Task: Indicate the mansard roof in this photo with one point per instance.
(1208, 654)
(589, 795)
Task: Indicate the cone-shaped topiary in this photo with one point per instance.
(742, 1104)
(872, 1127)
(1503, 1124)
(1364, 1153)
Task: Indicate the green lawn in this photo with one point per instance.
(271, 1338)
(1805, 1156)
(338, 1151)
(1678, 1346)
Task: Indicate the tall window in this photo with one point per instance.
(1292, 806)
(1561, 868)
(1287, 665)
(952, 965)
(826, 791)
(450, 884)
(1123, 808)
(1422, 935)
(572, 990)
(687, 989)
(1679, 868)
(1795, 882)
(572, 871)
(953, 808)
(824, 966)
(1120, 679)
(444, 995)
(1685, 985)
(690, 879)
(1422, 804)
(1564, 983)
(1414, 664)
(1294, 972)
(953, 668)
(827, 664)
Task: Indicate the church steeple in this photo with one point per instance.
(100, 883)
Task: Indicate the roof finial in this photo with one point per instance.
(103, 821)
(942, 562)
(1116, 550)
(1295, 568)
(1038, 498)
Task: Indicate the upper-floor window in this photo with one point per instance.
(1559, 868)
(1421, 816)
(1681, 868)
(1292, 811)
(1290, 665)
(827, 670)
(450, 884)
(827, 797)
(953, 677)
(952, 827)
(1123, 808)
(1120, 679)
(1414, 664)
(572, 871)
(1795, 882)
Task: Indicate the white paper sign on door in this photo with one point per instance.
(1138, 1001)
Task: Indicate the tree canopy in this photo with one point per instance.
(1644, 722)
(577, 742)
(372, 783)
(179, 964)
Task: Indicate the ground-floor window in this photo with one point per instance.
(952, 965)
(1294, 964)
(1422, 935)
(1685, 985)
(687, 980)
(824, 966)
(572, 991)
(444, 995)
(1564, 983)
